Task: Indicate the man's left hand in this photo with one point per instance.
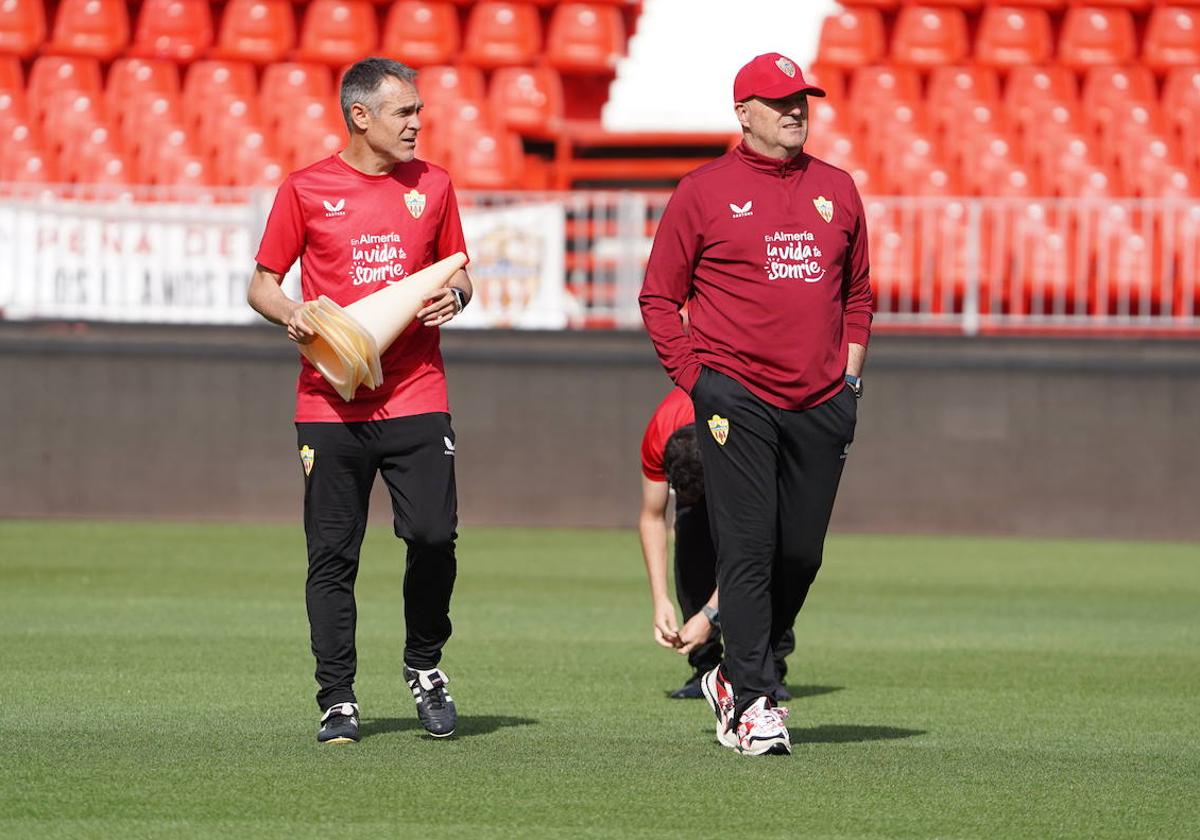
(439, 309)
(696, 631)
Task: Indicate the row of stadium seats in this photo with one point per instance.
(221, 124)
(1013, 35)
(959, 131)
(572, 36)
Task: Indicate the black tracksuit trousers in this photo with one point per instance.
(770, 488)
(415, 456)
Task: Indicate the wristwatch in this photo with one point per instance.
(460, 299)
(856, 385)
(712, 614)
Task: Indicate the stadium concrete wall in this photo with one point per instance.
(1094, 438)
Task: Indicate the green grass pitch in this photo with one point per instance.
(157, 683)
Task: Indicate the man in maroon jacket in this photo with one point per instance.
(768, 247)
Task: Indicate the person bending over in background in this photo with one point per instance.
(768, 247)
(370, 215)
(671, 461)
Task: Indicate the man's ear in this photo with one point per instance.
(360, 116)
(742, 111)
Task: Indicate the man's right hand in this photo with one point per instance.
(666, 629)
(298, 329)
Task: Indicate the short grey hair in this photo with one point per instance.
(361, 83)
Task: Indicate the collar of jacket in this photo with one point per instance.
(772, 166)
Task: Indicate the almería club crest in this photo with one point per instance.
(786, 67)
(307, 456)
(824, 207)
(719, 427)
(415, 202)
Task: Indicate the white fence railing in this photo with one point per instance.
(576, 259)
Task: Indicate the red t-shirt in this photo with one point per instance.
(353, 233)
(771, 258)
(672, 414)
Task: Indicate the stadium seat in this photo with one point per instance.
(138, 117)
(443, 85)
(852, 38)
(830, 79)
(421, 33)
(129, 77)
(870, 86)
(487, 159)
(1172, 37)
(1013, 36)
(1093, 36)
(953, 90)
(27, 166)
(211, 81)
(445, 127)
(181, 30)
(14, 108)
(53, 74)
(929, 36)
(22, 27)
(337, 32)
(1181, 106)
(11, 75)
(97, 28)
(501, 34)
(285, 83)
(70, 116)
(97, 159)
(247, 161)
(1030, 90)
(1105, 87)
(585, 37)
(526, 100)
(260, 31)
(312, 139)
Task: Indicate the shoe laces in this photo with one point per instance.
(433, 695)
(345, 710)
(766, 718)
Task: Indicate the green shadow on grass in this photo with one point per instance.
(849, 734)
(468, 726)
(799, 692)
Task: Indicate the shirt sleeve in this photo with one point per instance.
(857, 279)
(668, 284)
(652, 451)
(283, 238)
(450, 238)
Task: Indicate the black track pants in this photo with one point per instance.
(770, 489)
(415, 456)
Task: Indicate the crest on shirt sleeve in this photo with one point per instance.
(415, 202)
(719, 426)
(824, 207)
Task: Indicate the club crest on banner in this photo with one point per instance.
(824, 207)
(719, 427)
(415, 202)
(307, 456)
(786, 67)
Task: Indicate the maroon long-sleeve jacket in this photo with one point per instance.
(771, 258)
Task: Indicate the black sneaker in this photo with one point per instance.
(435, 708)
(690, 690)
(339, 724)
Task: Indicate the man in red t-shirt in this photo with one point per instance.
(361, 219)
(671, 461)
(768, 247)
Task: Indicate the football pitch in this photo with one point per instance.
(157, 683)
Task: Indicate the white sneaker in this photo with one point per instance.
(718, 691)
(761, 730)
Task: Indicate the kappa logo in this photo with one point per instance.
(307, 456)
(449, 445)
(719, 427)
(746, 209)
(337, 208)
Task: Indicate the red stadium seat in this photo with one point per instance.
(1093, 36)
(22, 27)
(421, 33)
(13, 107)
(181, 30)
(129, 77)
(338, 32)
(954, 90)
(870, 86)
(585, 37)
(11, 75)
(1181, 106)
(27, 166)
(1030, 90)
(286, 83)
(1013, 36)
(501, 34)
(212, 81)
(247, 161)
(527, 100)
(830, 79)
(443, 85)
(261, 31)
(1105, 87)
(852, 38)
(69, 116)
(1172, 37)
(487, 159)
(138, 117)
(927, 36)
(53, 74)
(97, 28)
(313, 138)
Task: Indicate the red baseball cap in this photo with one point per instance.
(771, 76)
